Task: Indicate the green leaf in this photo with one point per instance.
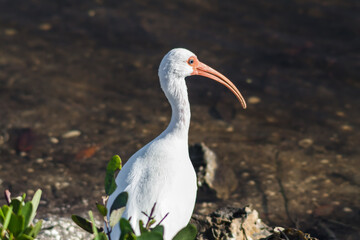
(24, 237)
(112, 167)
(83, 223)
(23, 197)
(159, 229)
(187, 233)
(26, 211)
(152, 222)
(35, 203)
(36, 229)
(7, 212)
(17, 205)
(101, 236)
(16, 225)
(120, 201)
(2, 217)
(102, 209)
(150, 236)
(126, 229)
(93, 223)
(116, 216)
(142, 228)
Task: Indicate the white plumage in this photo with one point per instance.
(161, 172)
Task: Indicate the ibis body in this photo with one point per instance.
(161, 172)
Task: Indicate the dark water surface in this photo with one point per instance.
(92, 66)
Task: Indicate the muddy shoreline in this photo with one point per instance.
(92, 67)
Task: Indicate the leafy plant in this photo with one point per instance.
(16, 218)
(148, 231)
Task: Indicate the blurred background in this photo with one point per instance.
(78, 84)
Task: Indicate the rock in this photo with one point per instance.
(205, 164)
(241, 224)
(212, 181)
(231, 223)
(288, 234)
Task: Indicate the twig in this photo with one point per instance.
(108, 230)
(328, 231)
(282, 189)
(162, 219)
(282, 233)
(341, 224)
(145, 214)
(150, 217)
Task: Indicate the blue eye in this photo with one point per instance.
(191, 61)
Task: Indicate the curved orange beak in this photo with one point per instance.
(206, 71)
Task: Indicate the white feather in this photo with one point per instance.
(161, 172)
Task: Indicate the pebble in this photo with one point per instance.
(61, 185)
(30, 192)
(346, 127)
(271, 119)
(251, 182)
(45, 26)
(245, 174)
(71, 134)
(253, 100)
(54, 140)
(91, 13)
(39, 160)
(324, 161)
(23, 154)
(305, 143)
(347, 209)
(1, 181)
(340, 114)
(10, 32)
(270, 193)
(230, 129)
(30, 170)
(63, 228)
(279, 229)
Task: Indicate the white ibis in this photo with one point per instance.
(161, 172)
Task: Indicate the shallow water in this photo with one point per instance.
(92, 66)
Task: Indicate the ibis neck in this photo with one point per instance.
(179, 101)
(180, 118)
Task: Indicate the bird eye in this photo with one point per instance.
(191, 61)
